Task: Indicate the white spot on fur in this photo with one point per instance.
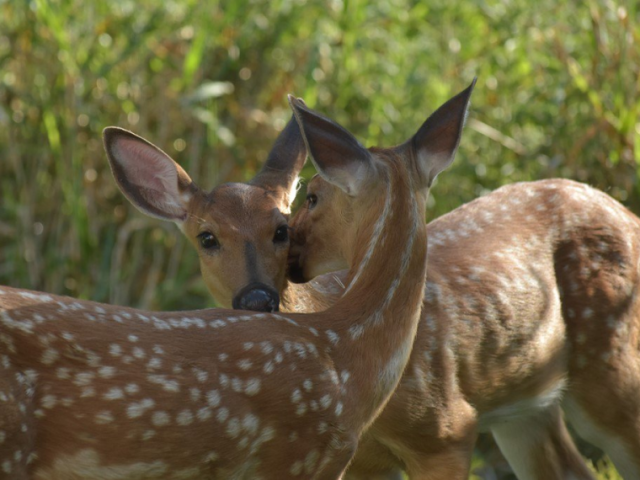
(296, 396)
(222, 415)
(132, 389)
(114, 393)
(137, 409)
(333, 337)
(49, 356)
(204, 414)
(301, 409)
(104, 417)
(252, 386)
(185, 418)
(160, 418)
(106, 372)
(325, 401)
(49, 401)
(213, 398)
(115, 350)
(245, 364)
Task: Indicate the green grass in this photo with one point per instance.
(557, 96)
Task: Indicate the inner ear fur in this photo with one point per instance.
(147, 176)
(337, 155)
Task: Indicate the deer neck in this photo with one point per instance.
(377, 317)
(314, 296)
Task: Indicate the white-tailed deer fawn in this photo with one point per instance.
(239, 230)
(531, 305)
(483, 229)
(93, 391)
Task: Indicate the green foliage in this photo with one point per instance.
(206, 81)
(557, 96)
(605, 470)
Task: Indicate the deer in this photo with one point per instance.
(531, 309)
(96, 391)
(239, 230)
(553, 455)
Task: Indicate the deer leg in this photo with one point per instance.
(605, 411)
(445, 449)
(539, 447)
(451, 462)
(337, 458)
(603, 404)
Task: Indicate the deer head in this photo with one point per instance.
(325, 227)
(239, 230)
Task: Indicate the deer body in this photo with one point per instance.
(530, 305)
(501, 344)
(95, 391)
(92, 391)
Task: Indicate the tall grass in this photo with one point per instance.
(206, 81)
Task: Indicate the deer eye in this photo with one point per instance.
(208, 241)
(312, 200)
(281, 235)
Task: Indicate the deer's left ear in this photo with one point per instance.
(280, 172)
(337, 155)
(434, 145)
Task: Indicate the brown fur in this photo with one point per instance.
(238, 214)
(104, 392)
(532, 284)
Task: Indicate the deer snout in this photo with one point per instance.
(258, 298)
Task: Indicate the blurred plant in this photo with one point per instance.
(605, 470)
(206, 81)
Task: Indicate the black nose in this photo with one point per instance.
(257, 297)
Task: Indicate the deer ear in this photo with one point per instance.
(147, 176)
(286, 159)
(337, 155)
(434, 145)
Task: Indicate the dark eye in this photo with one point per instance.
(281, 235)
(208, 241)
(312, 200)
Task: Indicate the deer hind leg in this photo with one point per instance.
(603, 404)
(539, 447)
(604, 409)
(443, 452)
(337, 460)
(451, 462)
(613, 441)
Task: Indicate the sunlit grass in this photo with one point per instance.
(550, 101)
(557, 87)
(605, 470)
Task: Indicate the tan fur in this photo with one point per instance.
(93, 391)
(238, 214)
(530, 288)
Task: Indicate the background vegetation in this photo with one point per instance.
(557, 96)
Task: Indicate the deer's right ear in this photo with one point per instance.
(337, 155)
(434, 145)
(147, 176)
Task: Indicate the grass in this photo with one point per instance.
(557, 96)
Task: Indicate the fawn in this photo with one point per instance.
(531, 306)
(105, 392)
(494, 213)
